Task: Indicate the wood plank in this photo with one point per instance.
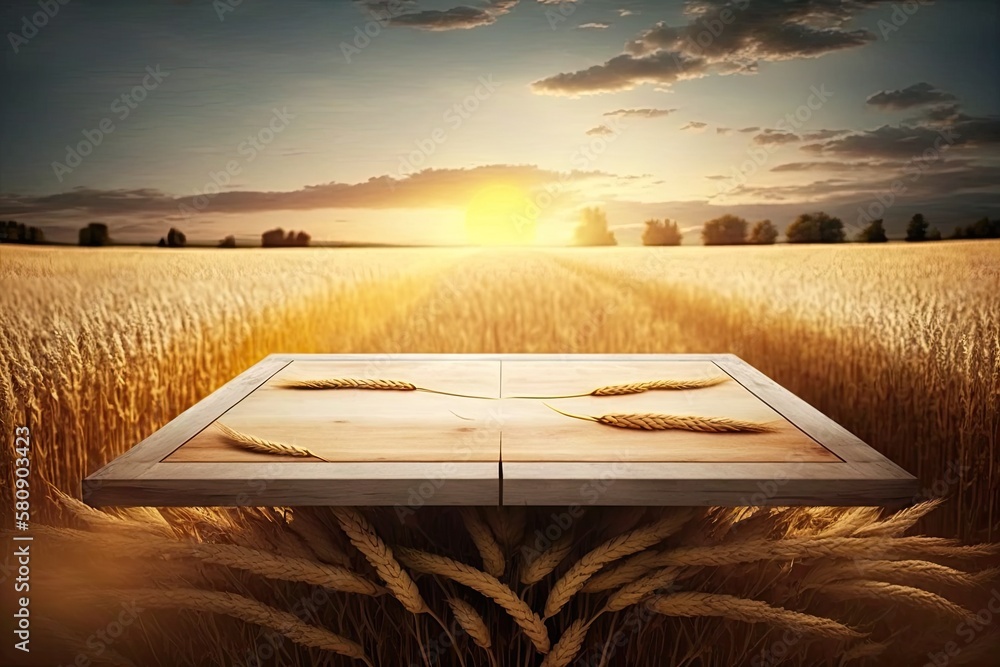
(534, 432)
(357, 425)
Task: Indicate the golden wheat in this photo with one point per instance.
(471, 622)
(544, 563)
(568, 646)
(642, 387)
(618, 547)
(348, 383)
(493, 559)
(379, 555)
(637, 591)
(658, 422)
(245, 609)
(691, 603)
(263, 446)
(896, 594)
(484, 584)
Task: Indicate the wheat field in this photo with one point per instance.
(900, 344)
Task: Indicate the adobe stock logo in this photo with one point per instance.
(30, 25)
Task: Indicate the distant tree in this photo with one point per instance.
(228, 242)
(934, 234)
(95, 234)
(162, 243)
(917, 229)
(12, 231)
(661, 233)
(276, 238)
(873, 233)
(763, 233)
(725, 230)
(984, 228)
(958, 233)
(593, 228)
(816, 228)
(176, 238)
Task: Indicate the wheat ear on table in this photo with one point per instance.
(641, 387)
(658, 422)
(253, 443)
(369, 384)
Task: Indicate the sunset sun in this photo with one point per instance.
(500, 215)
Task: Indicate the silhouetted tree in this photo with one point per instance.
(934, 234)
(725, 230)
(661, 233)
(276, 238)
(815, 228)
(763, 233)
(917, 229)
(12, 231)
(228, 242)
(176, 238)
(873, 233)
(593, 228)
(162, 243)
(95, 234)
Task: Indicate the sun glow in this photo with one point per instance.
(500, 215)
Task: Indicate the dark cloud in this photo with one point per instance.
(640, 113)
(775, 138)
(463, 17)
(962, 131)
(430, 188)
(600, 130)
(919, 94)
(833, 165)
(695, 125)
(722, 37)
(747, 130)
(723, 130)
(821, 135)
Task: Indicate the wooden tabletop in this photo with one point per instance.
(413, 430)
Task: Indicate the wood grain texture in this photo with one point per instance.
(411, 448)
(360, 425)
(533, 432)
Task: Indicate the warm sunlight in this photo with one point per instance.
(500, 215)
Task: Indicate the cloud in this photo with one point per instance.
(962, 131)
(834, 165)
(775, 138)
(600, 131)
(723, 130)
(463, 17)
(919, 94)
(641, 113)
(820, 135)
(747, 130)
(593, 25)
(430, 188)
(722, 37)
(695, 125)
(626, 12)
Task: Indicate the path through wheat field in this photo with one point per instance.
(99, 348)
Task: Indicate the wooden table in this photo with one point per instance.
(496, 443)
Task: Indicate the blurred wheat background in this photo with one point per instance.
(900, 344)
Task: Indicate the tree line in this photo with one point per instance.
(817, 227)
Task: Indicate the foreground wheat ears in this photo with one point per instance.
(655, 574)
(262, 446)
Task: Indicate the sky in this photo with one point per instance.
(494, 121)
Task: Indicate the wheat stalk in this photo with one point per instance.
(623, 573)
(348, 383)
(904, 572)
(261, 446)
(638, 590)
(471, 622)
(543, 564)
(658, 422)
(483, 583)
(611, 550)
(493, 558)
(370, 384)
(379, 555)
(641, 387)
(315, 534)
(568, 646)
(246, 610)
(692, 604)
(801, 548)
(896, 594)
